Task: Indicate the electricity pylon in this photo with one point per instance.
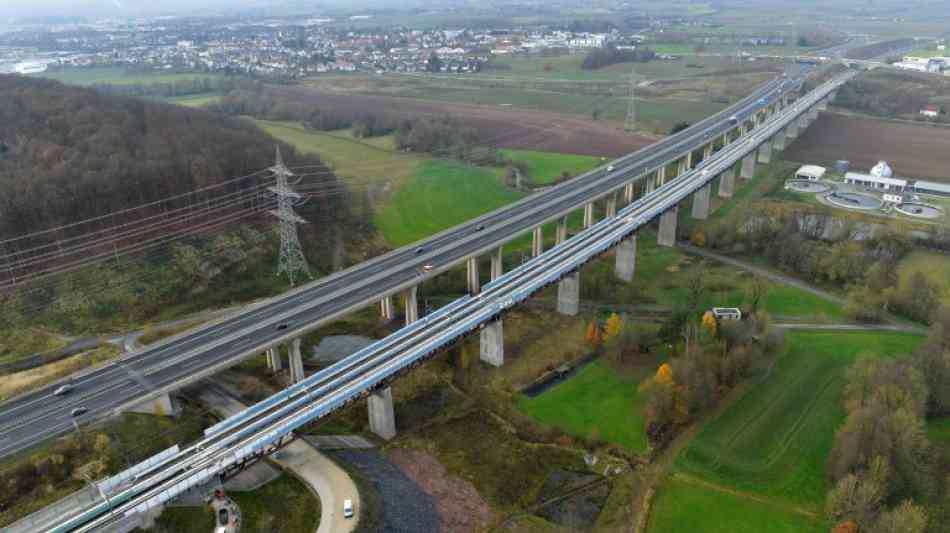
(630, 125)
(291, 260)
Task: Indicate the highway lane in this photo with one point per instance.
(34, 417)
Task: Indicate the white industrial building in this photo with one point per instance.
(881, 178)
(811, 172)
(29, 67)
(930, 187)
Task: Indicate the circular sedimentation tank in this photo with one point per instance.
(919, 210)
(854, 200)
(815, 187)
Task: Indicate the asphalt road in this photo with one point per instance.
(33, 418)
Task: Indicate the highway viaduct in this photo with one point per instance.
(145, 378)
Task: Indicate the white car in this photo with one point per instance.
(62, 390)
(348, 508)
(610, 168)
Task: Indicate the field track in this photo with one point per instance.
(506, 126)
(913, 151)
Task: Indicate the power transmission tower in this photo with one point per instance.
(630, 125)
(291, 259)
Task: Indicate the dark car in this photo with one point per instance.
(223, 516)
(420, 250)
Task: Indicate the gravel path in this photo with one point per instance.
(406, 508)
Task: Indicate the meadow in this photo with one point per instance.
(934, 266)
(546, 167)
(598, 401)
(683, 506)
(776, 438)
(116, 76)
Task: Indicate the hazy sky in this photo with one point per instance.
(98, 8)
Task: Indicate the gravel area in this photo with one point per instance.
(406, 508)
(332, 349)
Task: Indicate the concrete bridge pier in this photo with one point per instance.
(497, 266)
(492, 345)
(626, 259)
(822, 104)
(471, 275)
(382, 417)
(700, 210)
(727, 182)
(778, 142)
(386, 308)
(161, 406)
(765, 151)
(791, 131)
(667, 234)
(295, 361)
(537, 242)
(412, 304)
(569, 294)
(748, 166)
(274, 364)
(707, 152)
(628, 193)
(561, 234)
(588, 215)
(803, 122)
(612, 205)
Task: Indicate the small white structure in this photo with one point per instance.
(29, 67)
(892, 198)
(727, 313)
(810, 172)
(930, 111)
(879, 183)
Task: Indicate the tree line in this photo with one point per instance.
(888, 477)
(171, 89)
(611, 55)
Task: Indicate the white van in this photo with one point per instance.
(348, 508)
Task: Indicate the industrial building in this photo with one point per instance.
(810, 172)
(929, 187)
(881, 178)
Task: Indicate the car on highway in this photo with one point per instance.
(427, 267)
(63, 390)
(610, 168)
(348, 508)
(78, 411)
(734, 119)
(420, 250)
(479, 227)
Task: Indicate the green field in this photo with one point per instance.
(351, 159)
(547, 167)
(938, 430)
(116, 76)
(776, 438)
(440, 195)
(598, 400)
(186, 520)
(197, 100)
(927, 52)
(568, 67)
(681, 506)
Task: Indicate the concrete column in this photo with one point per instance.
(492, 346)
(412, 304)
(727, 182)
(274, 364)
(791, 131)
(626, 259)
(569, 294)
(779, 141)
(726, 138)
(386, 308)
(497, 267)
(683, 166)
(628, 193)
(748, 166)
(295, 361)
(765, 151)
(707, 152)
(822, 104)
(588, 215)
(537, 242)
(612, 205)
(471, 275)
(561, 234)
(382, 417)
(667, 234)
(660, 177)
(803, 122)
(700, 209)
(161, 406)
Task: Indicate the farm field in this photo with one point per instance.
(683, 506)
(441, 194)
(503, 127)
(546, 167)
(775, 439)
(912, 151)
(116, 76)
(356, 161)
(598, 400)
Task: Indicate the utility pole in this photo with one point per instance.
(630, 125)
(291, 259)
